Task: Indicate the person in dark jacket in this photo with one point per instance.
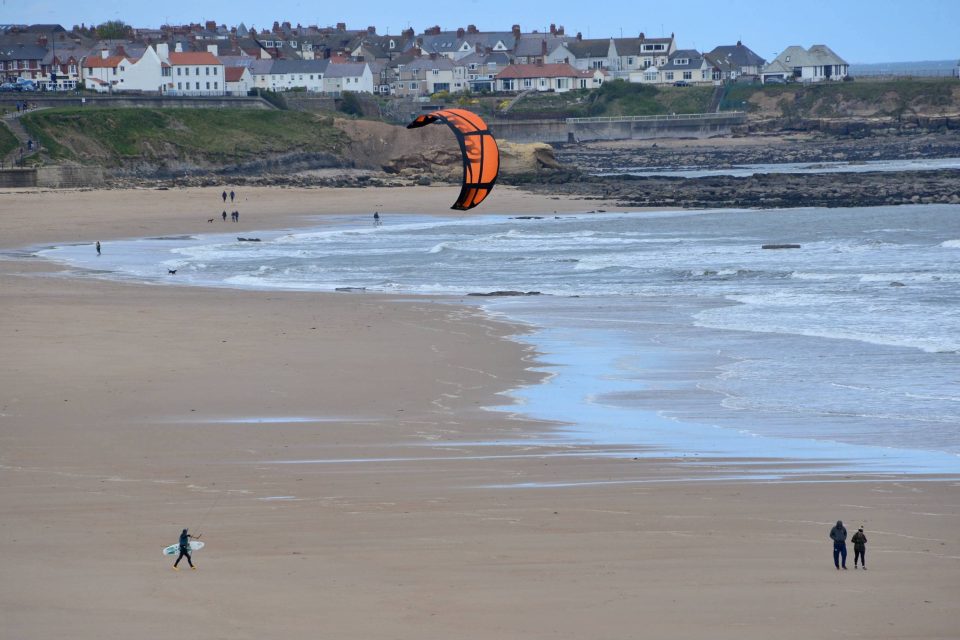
(839, 536)
(859, 541)
(184, 550)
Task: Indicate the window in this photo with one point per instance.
(216, 85)
(527, 83)
(681, 62)
(198, 86)
(114, 71)
(208, 86)
(472, 66)
(293, 43)
(630, 61)
(207, 69)
(435, 72)
(178, 70)
(179, 85)
(668, 75)
(543, 82)
(597, 64)
(688, 75)
(562, 83)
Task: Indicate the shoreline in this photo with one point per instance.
(133, 411)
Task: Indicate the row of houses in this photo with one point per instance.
(211, 59)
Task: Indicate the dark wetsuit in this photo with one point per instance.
(184, 549)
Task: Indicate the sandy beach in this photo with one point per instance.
(329, 447)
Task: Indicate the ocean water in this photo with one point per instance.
(666, 333)
(746, 170)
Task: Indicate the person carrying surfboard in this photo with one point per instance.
(184, 550)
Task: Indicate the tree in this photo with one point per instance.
(350, 104)
(113, 30)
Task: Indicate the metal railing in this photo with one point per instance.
(670, 118)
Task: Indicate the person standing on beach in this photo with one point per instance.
(839, 536)
(376, 218)
(98, 247)
(224, 215)
(232, 194)
(859, 541)
(224, 194)
(184, 550)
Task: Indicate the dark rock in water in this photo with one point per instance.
(527, 218)
(780, 246)
(351, 289)
(248, 239)
(506, 293)
(897, 284)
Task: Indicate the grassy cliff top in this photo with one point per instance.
(116, 136)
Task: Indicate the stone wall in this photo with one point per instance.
(55, 177)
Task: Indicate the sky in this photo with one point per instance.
(860, 31)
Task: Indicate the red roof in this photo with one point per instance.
(97, 62)
(556, 70)
(234, 74)
(194, 57)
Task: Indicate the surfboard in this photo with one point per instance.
(174, 549)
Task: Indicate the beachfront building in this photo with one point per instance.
(638, 54)
(686, 66)
(734, 61)
(196, 73)
(348, 76)
(560, 77)
(105, 73)
(585, 54)
(239, 80)
(308, 75)
(816, 64)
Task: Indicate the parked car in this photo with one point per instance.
(8, 86)
(26, 85)
(681, 83)
(774, 80)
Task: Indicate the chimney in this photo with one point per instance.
(212, 48)
(739, 44)
(371, 30)
(642, 36)
(472, 28)
(211, 25)
(178, 48)
(407, 33)
(553, 29)
(560, 30)
(104, 54)
(42, 41)
(516, 30)
(121, 51)
(460, 32)
(543, 48)
(341, 26)
(276, 26)
(433, 31)
(163, 51)
(286, 25)
(579, 36)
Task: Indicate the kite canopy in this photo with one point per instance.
(481, 157)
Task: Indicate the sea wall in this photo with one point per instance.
(56, 177)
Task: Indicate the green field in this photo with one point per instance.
(115, 136)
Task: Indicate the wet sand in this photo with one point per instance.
(325, 446)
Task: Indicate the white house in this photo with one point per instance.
(349, 76)
(284, 75)
(816, 64)
(585, 54)
(560, 77)
(239, 80)
(107, 74)
(686, 66)
(638, 54)
(196, 73)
